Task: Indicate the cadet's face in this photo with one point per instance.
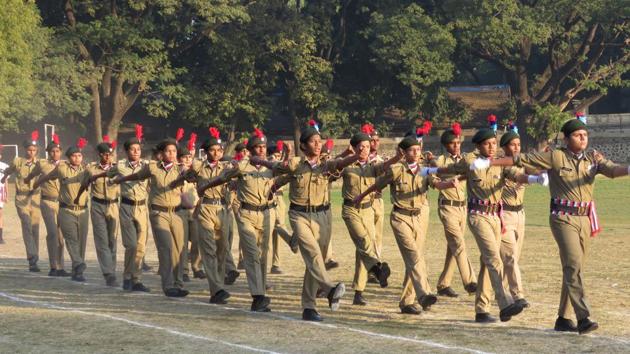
(375, 143)
(214, 153)
(577, 141)
(54, 154)
(134, 152)
(186, 160)
(488, 148)
(105, 157)
(76, 159)
(454, 147)
(513, 148)
(31, 152)
(313, 146)
(169, 154)
(413, 153)
(363, 148)
(260, 151)
(245, 153)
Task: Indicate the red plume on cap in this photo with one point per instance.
(106, 138)
(367, 128)
(139, 132)
(55, 139)
(238, 156)
(279, 145)
(579, 114)
(258, 133)
(457, 129)
(245, 141)
(81, 143)
(214, 132)
(492, 118)
(113, 144)
(180, 134)
(329, 145)
(192, 141)
(34, 135)
(427, 125)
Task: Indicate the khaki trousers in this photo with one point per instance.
(572, 234)
(379, 221)
(328, 255)
(360, 224)
(105, 230)
(279, 230)
(487, 232)
(254, 232)
(229, 259)
(511, 247)
(191, 239)
(54, 239)
(454, 221)
(134, 230)
(313, 231)
(74, 228)
(213, 244)
(28, 211)
(168, 234)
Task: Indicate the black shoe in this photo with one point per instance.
(586, 326)
(381, 271)
(523, 303)
(410, 310)
(141, 288)
(275, 270)
(52, 273)
(512, 310)
(261, 304)
(358, 299)
(185, 278)
(172, 292)
(334, 295)
(311, 315)
(110, 280)
(372, 279)
(426, 301)
(240, 265)
(293, 243)
(78, 277)
(146, 267)
(33, 268)
(448, 292)
(220, 297)
(62, 273)
(471, 288)
(199, 274)
(127, 284)
(231, 276)
(331, 264)
(484, 318)
(565, 325)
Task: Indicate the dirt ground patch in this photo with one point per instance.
(42, 314)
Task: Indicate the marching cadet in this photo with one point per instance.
(50, 207)
(573, 216)
(452, 212)
(309, 217)
(409, 182)
(485, 221)
(104, 210)
(166, 223)
(360, 218)
(326, 155)
(3, 192)
(27, 199)
(73, 213)
(231, 272)
(133, 212)
(254, 220)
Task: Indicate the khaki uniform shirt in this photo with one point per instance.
(456, 194)
(513, 192)
(309, 186)
(160, 193)
(133, 190)
(253, 184)
(571, 177)
(357, 178)
(51, 187)
(70, 180)
(102, 188)
(22, 169)
(408, 190)
(205, 172)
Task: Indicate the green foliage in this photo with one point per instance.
(546, 121)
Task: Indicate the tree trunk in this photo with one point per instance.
(96, 113)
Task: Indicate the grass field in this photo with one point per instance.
(42, 314)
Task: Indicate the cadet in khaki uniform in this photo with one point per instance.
(409, 182)
(573, 218)
(309, 217)
(50, 207)
(167, 225)
(360, 218)
(452, 212)
(253, 219)
(484, 219)
(27, 200)
(133, 212)
(231, 273)
(104, 212)
(73, 213)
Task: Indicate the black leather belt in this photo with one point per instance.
(166, 209)
(128, 201)
(407, 212)
(213, 201)
(350, 203)
(50, 199)
(309, 209)
(104, 201)
(254, 207)
(72, 207)
(514, 208)
(454, 203)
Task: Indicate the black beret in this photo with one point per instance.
(161, 146)
(256, 140)
(132, 141)
(507, 137)
(103, 148)
(182, 151)
(482, 135)
(52, 145)
(448, 136)
(211, 142)
(72, 150)
(359, 138)
(573, 125)
(28, 143)
(408, 141)
(239, 147)
(307, 133)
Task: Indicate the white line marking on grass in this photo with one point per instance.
(135, 323)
